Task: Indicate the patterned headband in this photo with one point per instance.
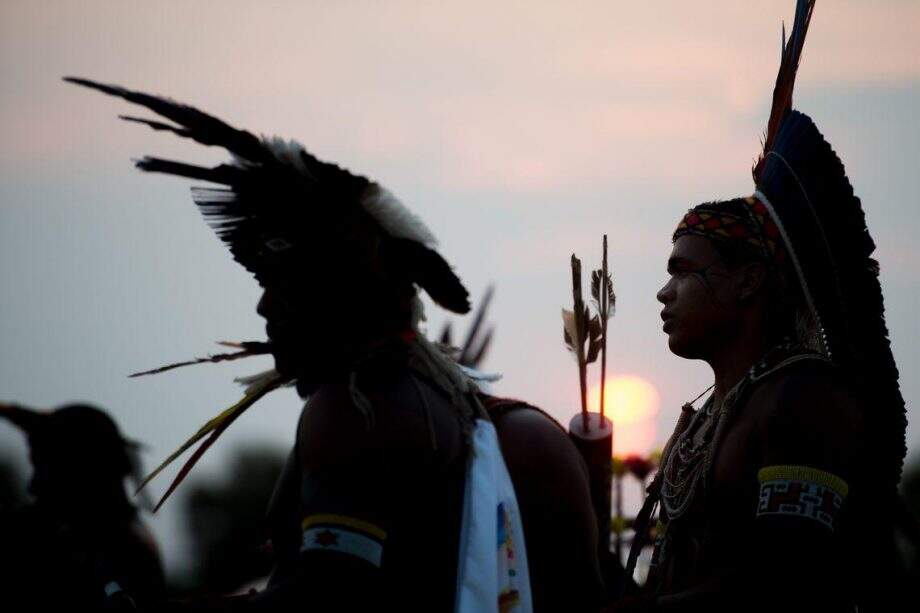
(750, 225)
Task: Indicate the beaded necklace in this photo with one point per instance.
(689, 459)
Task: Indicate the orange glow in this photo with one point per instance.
(632, 403)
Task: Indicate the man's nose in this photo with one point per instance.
(264, 304)
(666, 293)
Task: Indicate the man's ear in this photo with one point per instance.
(752, 278)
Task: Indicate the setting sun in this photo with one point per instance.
(632, 403)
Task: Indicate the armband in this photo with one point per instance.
(343, 534)
(801, 491)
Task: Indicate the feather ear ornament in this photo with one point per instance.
(213, 427)
(246, 349)
(257, 386)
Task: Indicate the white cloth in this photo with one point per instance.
(492, 572)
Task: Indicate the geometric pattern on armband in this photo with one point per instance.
(801, 491)
(344, 534)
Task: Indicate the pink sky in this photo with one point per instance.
(519, 131)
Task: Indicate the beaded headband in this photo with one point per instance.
(753, 228)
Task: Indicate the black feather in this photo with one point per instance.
(200, 126)
(446, 335)
(157, 125)
(279, 194)
(854, 311)
(476, 327)
(476, 357)
(223, 174)
(426, 268)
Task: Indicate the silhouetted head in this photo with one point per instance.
(727, 272)
(322, 319)
(78, 455)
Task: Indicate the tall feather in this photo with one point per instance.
(785, 79)
(472, 351)
(197, 125)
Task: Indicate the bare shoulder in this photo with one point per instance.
(405, 420)
(551, 485)
(537, 448)
(810, 392)
(807, 413)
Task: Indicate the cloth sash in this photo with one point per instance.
(492, 570)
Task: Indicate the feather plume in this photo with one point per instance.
(594, 335)
(446, 337)
(478, 353)
(611, 299)
(395, 218)
(605, 303)
(570, 331)
(431, 272)
(785, 79)
(214, 427)
(197, 125)
(251, 382)
(477, 342)
(277, 192)
(582, 334)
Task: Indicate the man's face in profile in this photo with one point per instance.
(283, 326)
(697, 298)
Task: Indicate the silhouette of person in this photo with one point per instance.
(80, 543)
(407, 488)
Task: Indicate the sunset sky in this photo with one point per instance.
(519, 131)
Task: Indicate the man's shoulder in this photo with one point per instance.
(354, 421)
(807, 412)
(810, 389)
(533, 440)
(524, 424)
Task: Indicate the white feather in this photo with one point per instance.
(397, 220)
(418, 313)
(251, 382)
(394, 217)
(287, 152)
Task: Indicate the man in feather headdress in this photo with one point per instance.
(397, 493)
(59, 551)
(778, 493)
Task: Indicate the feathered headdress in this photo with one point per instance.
(803, 184)
(805, 216)
(285, 214)
(278, 202)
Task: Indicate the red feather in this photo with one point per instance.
(785, 80)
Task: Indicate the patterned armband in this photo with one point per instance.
(801, 491)
(349, 535)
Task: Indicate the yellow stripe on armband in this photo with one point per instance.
(806, 474)
(344, 535)
(330, 519)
